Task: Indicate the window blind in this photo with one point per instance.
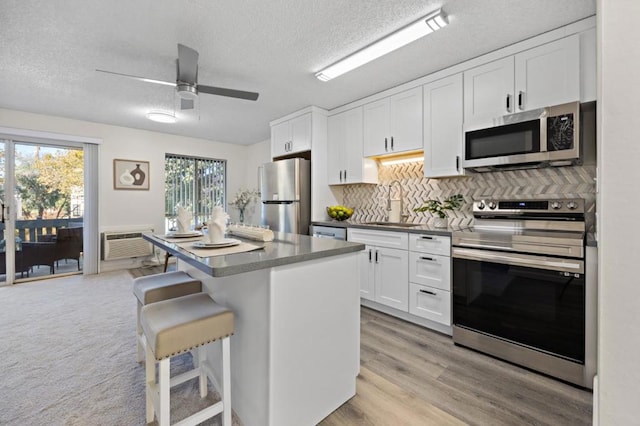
(197, 184)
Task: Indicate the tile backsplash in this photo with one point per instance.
(369, 201)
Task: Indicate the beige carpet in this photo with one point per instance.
(67, 355)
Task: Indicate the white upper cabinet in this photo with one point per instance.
(543, 76)
(548, 75)
(345, 162)
(443, 135)
(393, 124)
(291, 136)
(488, 90)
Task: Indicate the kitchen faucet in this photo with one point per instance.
(403, 216)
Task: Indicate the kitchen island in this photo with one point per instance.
(295, 353)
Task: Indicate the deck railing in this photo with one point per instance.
(41, 229)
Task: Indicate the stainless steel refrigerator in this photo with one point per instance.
(285, 192)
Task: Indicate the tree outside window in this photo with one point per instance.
(197, 184)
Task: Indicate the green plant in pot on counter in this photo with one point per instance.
(440, 208)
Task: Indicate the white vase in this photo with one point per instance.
(441, 222)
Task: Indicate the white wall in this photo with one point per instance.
(134, 209)
(618, 398)
(257, 154)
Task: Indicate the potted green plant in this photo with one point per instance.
(440, 208)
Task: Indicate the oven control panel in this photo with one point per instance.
(511, 207)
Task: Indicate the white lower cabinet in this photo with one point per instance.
(391, 277)
(430, 270)
(410, 273)
(430, 277)
(384, 267)
(430, 303)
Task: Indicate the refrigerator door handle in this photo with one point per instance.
(277, 202)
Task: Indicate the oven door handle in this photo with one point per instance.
(516, 259)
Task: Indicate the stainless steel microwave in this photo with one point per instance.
(537, 138)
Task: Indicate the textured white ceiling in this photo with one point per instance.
(49, 51)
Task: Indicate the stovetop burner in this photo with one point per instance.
(546, 227)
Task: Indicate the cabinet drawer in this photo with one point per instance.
(433, 244)
(430, 303)
(430, 269)
(398, 240)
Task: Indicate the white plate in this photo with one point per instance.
(175, 234)
(227, 242)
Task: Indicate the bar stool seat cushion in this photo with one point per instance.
(154, 288)
(181, 324)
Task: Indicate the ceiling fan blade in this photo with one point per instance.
(186, 103)
(187, 64)
(221, 91)
(135, 77)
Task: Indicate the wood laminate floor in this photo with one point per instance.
(413, 376)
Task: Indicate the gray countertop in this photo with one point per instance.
(590, 239)
(418, 229)
(285, 249)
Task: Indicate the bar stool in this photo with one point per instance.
(175, 326)
(154, 288)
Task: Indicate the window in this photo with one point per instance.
(197, 184)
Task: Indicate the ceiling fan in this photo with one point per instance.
(186, 83)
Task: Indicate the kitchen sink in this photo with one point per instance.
(394, 224)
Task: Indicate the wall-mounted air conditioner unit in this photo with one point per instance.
(125, 245)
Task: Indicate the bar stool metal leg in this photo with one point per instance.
(225, 393)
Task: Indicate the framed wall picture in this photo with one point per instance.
(130, 174)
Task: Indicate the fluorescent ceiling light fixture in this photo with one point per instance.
(161, 117)
(426, 25)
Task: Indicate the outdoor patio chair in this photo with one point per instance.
(69, 244)
(20, 268)
(36, 254)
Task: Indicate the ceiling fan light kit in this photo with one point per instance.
(161, 117)
(187, 91)
(412, 32)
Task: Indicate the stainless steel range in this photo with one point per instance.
(523, 289)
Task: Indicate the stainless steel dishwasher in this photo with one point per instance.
(332, 232)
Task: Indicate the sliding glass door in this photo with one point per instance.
(43, 195)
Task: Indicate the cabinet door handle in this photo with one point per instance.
(457, 162)
(425, 237)
(521, 100)
(391, 143)
(376, 256)
(433, 293)
(340, 175)
(386, 148)
(369, 255)
(428, 258)
(508, 103)
(345, 175)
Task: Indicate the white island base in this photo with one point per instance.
(295, 353)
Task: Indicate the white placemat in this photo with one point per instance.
(210, 252)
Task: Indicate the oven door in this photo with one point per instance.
(534, 301)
